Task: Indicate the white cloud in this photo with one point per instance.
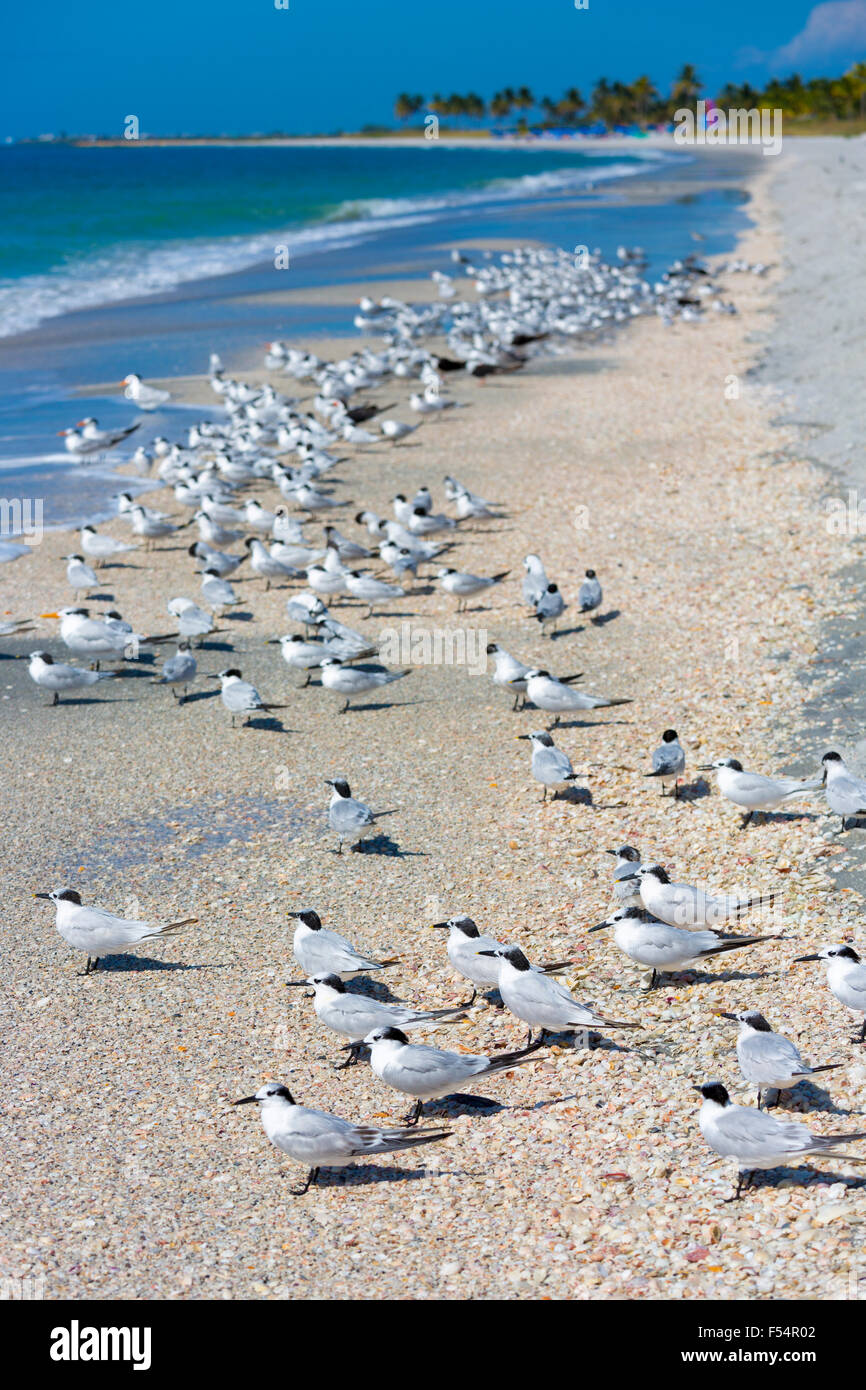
(835, 27)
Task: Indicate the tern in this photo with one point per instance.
(664, 949)
(543, 1002)
(319, 1140)
(554, 697)
(550, 766)
(754, 1139)
(845, 793)
(462, 585)
(349, 819)
(549, 607)
(626, 891)
(352, 681)
(685, 905)
(769, 1060)
(372, 591)
(238, 696)
(429, 1073)
(179, 669)
(79, 575)
(668, 761)
(353, 1016)
(846, 977)
(321, 951)
(100, 933)
(145, 397)
(101, 548)
(60, 678)
(589, 595)
(535, 581)
(473, 955)
(752, 791)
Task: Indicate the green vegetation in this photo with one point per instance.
(830, 104)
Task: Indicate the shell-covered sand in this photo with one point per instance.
(127, 1174)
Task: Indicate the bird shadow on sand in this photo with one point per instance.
(197, 696)
(810, 1097)
(587, 723)
(242, 617)
(384, 845)
(100, 598)
(91, 700)
(567, 632)
(385, 704)
(373, 989)
(132, 965)
(363, 1174)
(785, 817)
(268, 723)
(803, 1177)
(692, 791)
(604, 618)
(577, 796)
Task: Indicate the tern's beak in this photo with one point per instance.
(434, 926)
(49, 615)
(296, 984)
(42, 895)
(798, 959)
(488, 953)
(696, 1088)
(611, 851)
(211, 676)
(704, 767)
(329, 781)
(526, 736)
(245, 1100)
(599, 926)
(624, 878)
(721, 1014)
(350, 1047)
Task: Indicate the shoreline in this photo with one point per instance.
(697, 506)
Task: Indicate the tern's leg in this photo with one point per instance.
(307, 681)
(544, 797)
(861, 1036)
(655, 978)
(352, 1059)
(56, 700)
(339, 846)
(516, 698)
(676, 790)
(345, 707)
(741, 1179)
(760, 1107)
(529, 1037)
(311, 1178)
(415, 1113)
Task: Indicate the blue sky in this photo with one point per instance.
(325, 65)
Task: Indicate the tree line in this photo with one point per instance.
(640, 102)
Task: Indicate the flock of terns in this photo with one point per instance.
(528, 301)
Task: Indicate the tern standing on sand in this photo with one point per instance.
(100, 933)
(319, 1140)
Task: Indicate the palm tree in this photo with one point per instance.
(501, 104)
(686, 89)
(406, 106)
(644, 97)
(570, 105)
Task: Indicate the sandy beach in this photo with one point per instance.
(658, 458)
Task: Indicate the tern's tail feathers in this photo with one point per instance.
(554, 966)
(402, 1139)
(829, 1141)
(814, 784)
(600, 1021)
(512, 1059)
(759, 900)
(172, 928)
(394, 676)
(733, 943)
(828, 1066)
(106, 675)
(610, 703)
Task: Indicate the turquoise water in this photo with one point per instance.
(84, 227)
(146, 260)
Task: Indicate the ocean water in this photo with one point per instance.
(146, 259)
